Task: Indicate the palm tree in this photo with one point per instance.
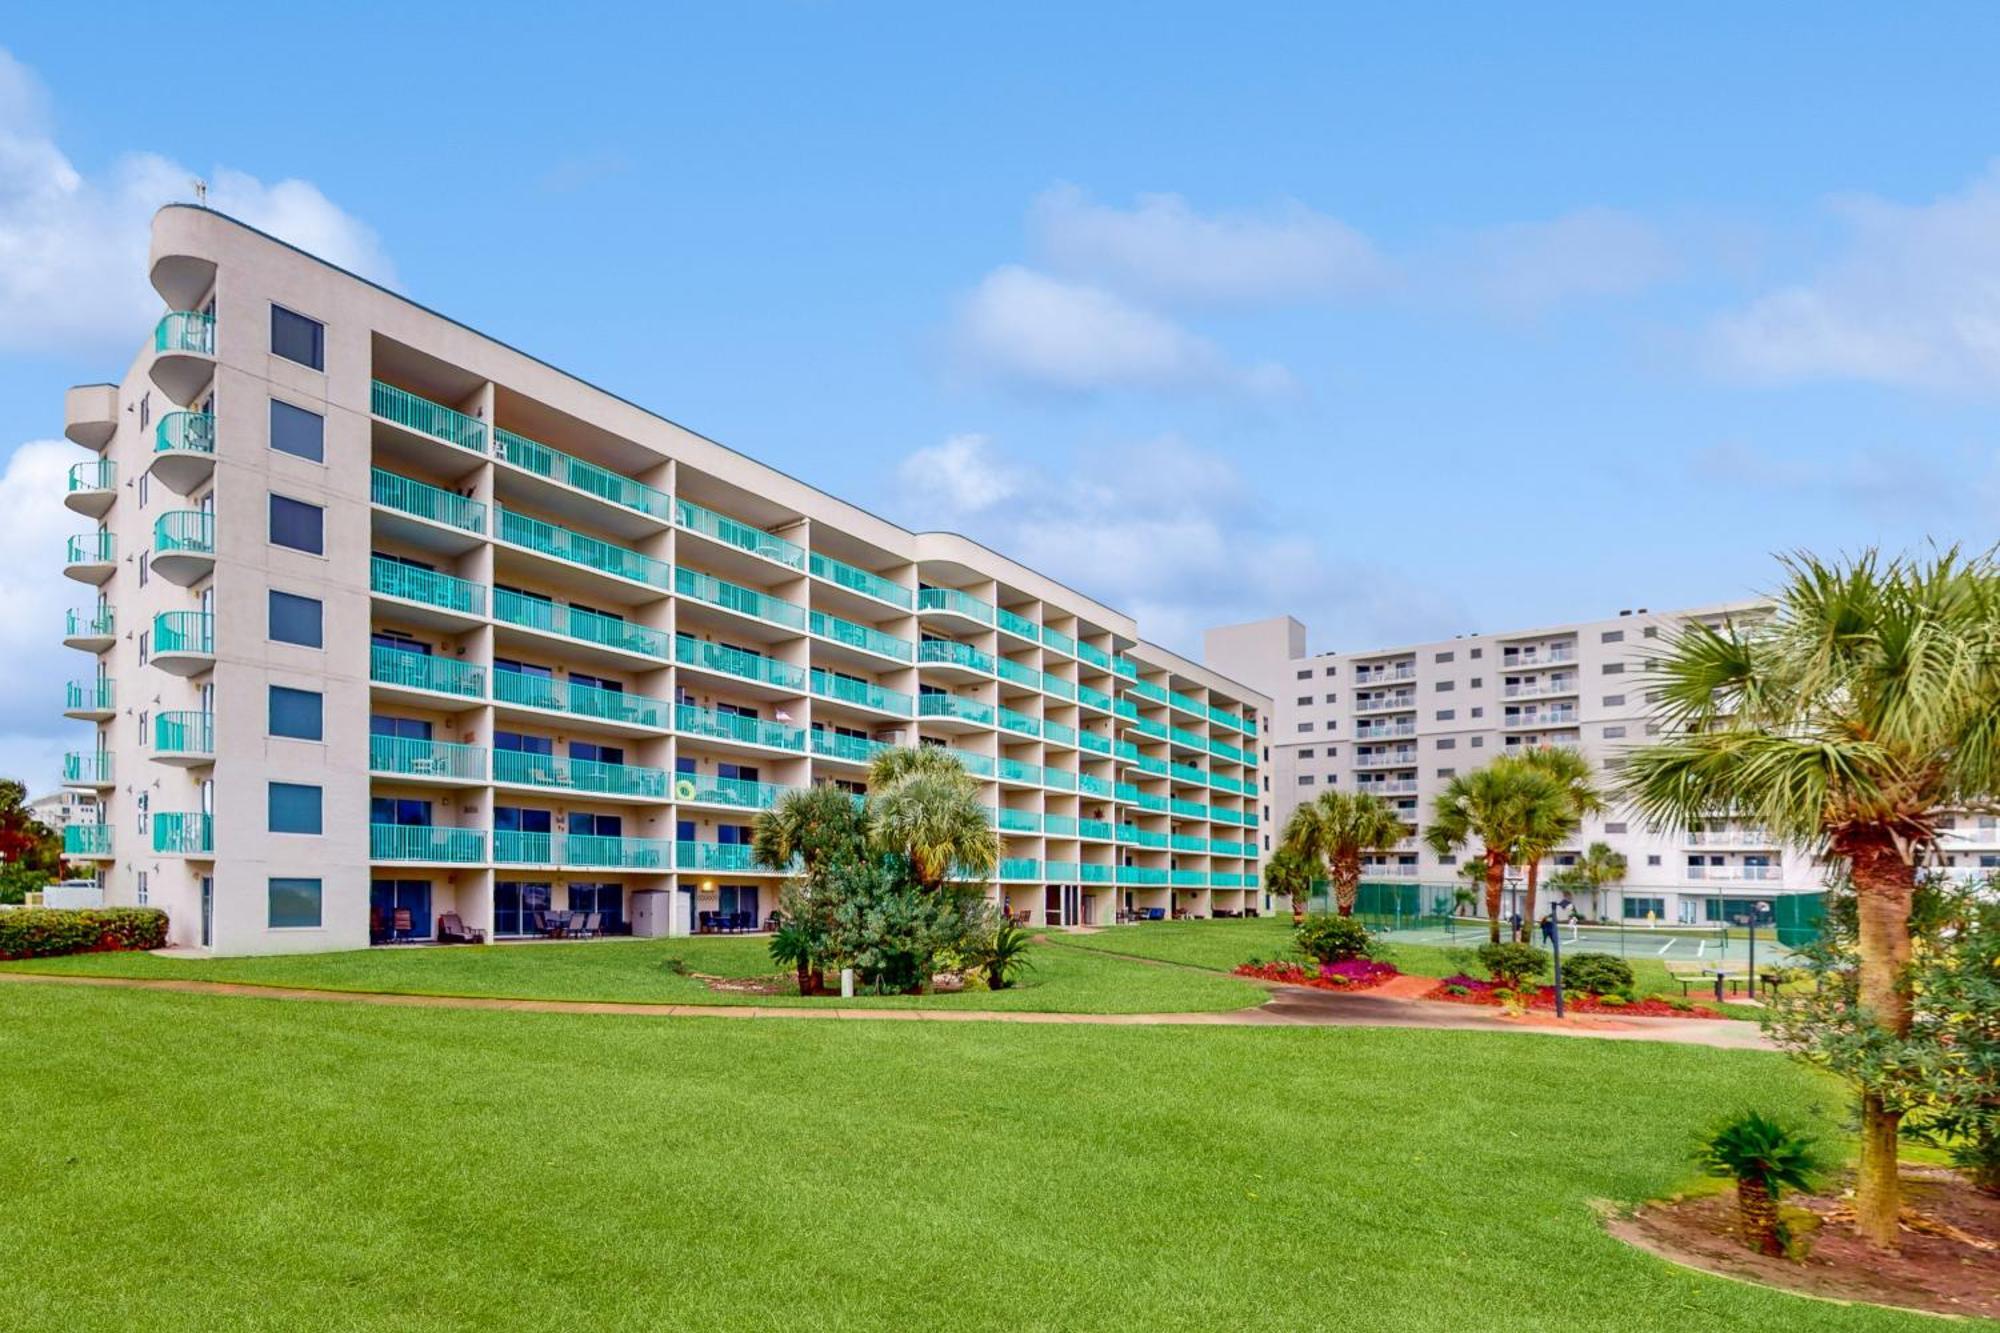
(929, 813)
(1598, 868)
(1577, 776)
(1335, 830)
(1289, 874)
(1500, 806)
(812, 826)
(1764, 1159)
(892, 765)
(1849, 723)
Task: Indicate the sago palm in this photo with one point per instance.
(1849, 722)
(1578, 779)
(1764, 1159)
(1335, 830)
(1289, 874)
(1500, 807)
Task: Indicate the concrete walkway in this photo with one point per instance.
(1289, 1006)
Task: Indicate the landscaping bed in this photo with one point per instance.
(1463, 989)
(1356, 974)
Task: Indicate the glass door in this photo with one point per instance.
(207, 912)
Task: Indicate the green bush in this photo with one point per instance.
(1513, 965)
(1598, 973)
(1615, 1001)
(41, 932)
(1333, 939)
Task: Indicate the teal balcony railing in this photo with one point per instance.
(427, 418)
(188, 833)
(578, 699)
(860, 580)
(1018, 821)
(1096, 657)
(561, 543)
(1020, 722)
(954, 705)
(1090, 785)
(1060, 871)
(1146, 689)
(426, 842)
(1018, 674)
(1091, 874)
(411, 757)
(1143, 876)
(189, 530)
(1126, 709)
(1187, 809)
(1146, 800)
(1013, 622)
(692, 583)
(184, 433)
(949, 652)
(1019, 770)
(1189, 773)
(1125, 667)
(1181, 736)
(87, 840)
(573, 622)
(89, 621)
(1147, 726)
(187, 734)
(423, 500)
(979, 765)
(98, 474)
(393, 578)
(183, 632)
(1059, 826)
(1188, 842)
(834, 745)
(865, 694)
(426, 671)
(1093, 828)
(1060, 688)
(593, 849)
(1059, 778)
(512, 847)
(1092, 743)
(864, 637)
(568, 774)
(91, 548)
(1090, 698)
(714, 856)
(187, 331)
(1058, 732)
(741, 793)
(734, 532)
(955, 602)
(1020, 867)
(738, 662)
(87, 767)
(692, 721)
(1059, 641)
(97, 695)
(540, 459)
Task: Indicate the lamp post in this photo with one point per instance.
(1552, 932)
(1757, 909)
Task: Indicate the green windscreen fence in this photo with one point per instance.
(1792, 918)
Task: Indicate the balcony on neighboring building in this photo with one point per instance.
(183, 450)
(91, 557)
(184, 642)
(184, 546)
(92, 487)
(183, 354)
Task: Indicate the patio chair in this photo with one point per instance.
(593, 926)
(404, 925)
(704, 922)
(746, 921)
(1156, 914)
(378, 929)
(538, 922)
(453, 930)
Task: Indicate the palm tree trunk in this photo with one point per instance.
(1496, 875)
(1298, 909)
(1883, 885)
(1528, 911)
(1757, 1215)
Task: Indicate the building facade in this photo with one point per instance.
(1400, 722)
(388, 620)
(57, 810)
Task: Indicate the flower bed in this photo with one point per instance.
(1462, 989)
(1353, 974)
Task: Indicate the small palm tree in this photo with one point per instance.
(930, 815)
(1501, 806)
(1006, 955)
(792, 946)
(1598, 868)
(1849, 722)
(1764, 1159)
(1578, 779)
(1289, 874)
(1335, 830)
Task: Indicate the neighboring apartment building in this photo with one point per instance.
(1399, 722)
(59, 809)
(392, 620)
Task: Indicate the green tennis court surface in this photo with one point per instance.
(1669, 943)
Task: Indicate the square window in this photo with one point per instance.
(1446, 714)
(298, 432)
(297, 338)
(1306, 674)
(1614, 668)
(293, 904)
(1477, 653)
(1441, 657)
(299, 525)
(297, 714)
(1612, 636)
(294, 808)
(296, 619)
(1448, 743)
(1445, 686)
(1614, 701)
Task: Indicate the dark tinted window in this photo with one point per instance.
(294, 903)
(297, 338)
(296, 524)
(296, 713)
(296, 619)
(297, 431)
(294, 808)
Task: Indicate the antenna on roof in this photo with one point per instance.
(201, 191)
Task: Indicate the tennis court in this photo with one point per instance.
(1668, 943)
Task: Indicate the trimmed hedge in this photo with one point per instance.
(44, 932)
(1598, 974)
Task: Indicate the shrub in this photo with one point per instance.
(1598, 973)
(1513, 964)
(1005, 955)
(1334, 939)
(1453, 988)
(46, 932)
(1764, 1158)
(1614, 1001)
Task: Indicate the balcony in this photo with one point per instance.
(425, 587)
(1013, 622)
(405, 669)
(1020, 868)
(87, 841)
(1391, 759)
(860, 693)
(735, 793)
(691, 517)
(90, 700)
(184, 834)
(852, 749)
(576, 548)
(573, 622)
(184, 738)
(583, 850)
(575, 699)
(1009, 820)
(861, 637)
(632, 781)
(438, 761)
(955, 660)
(1091, 656)
(184, 642)
(1551, 717)
(738, 664)
(1093, 698)
(183, 450)
(951, 604)
(857, 580)
(1384, 674)
(184, 546)
(426, 843)
(717, 856)
(1735, 874)
(183, 354)
(87, 768)
(1056, 639)
(1753, 838)
(91, 557)
(1020, 723)
(1384, 703)
(90, 414)
(576, 474)
(89, 629)
(955, 708)
(762, 606)
(1152, 877)
(737, 729)
(433, 504)
(1366, 731)
(1540, 689)
(1536, 657)
(93, 486)
(423, 417)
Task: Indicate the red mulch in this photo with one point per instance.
(1355, 976)
(1481, 993)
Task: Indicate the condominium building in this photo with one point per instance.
(57, 810)
(1399, 722)
(388, 620)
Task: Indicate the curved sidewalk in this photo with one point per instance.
(1288, 1007)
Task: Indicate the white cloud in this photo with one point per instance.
(1930, 485)
(1913, 300)
(33, 662)
(1167, 532)
(1524, 268)
(1162, 250)
(73, 247)
(1030, 329)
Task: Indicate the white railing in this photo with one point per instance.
(1736, 874)
(1565, 685)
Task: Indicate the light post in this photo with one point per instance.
(1552, 932)
(1757, 909)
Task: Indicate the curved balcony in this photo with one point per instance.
(87, 768)
(87, 842)
(89, 629)
(184, 833)
(184, 546)
(186, 739)
(91, 557)
(183, 279)
(954, 607)
(92, 487)
(90, 700)
(183, 450)
(90, 414)
(183, 354)
(184, 642)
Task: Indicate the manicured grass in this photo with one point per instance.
(182, 1162)
(1061, 980)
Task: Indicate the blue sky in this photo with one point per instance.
(1439, 319)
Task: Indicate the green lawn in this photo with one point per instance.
(1061, 980)
(191, 1162)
